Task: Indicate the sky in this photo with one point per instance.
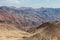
(31, 3)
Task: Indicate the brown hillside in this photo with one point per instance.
(46, 31)
(10, 32)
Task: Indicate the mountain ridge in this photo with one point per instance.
(29, 17)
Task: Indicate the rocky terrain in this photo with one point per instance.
(27, 23)
(46, 31)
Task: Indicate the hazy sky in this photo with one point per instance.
(31, 3)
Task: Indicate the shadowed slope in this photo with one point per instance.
(47, 31)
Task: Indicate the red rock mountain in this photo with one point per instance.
(8, 18)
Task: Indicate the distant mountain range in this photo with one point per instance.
(27, 17)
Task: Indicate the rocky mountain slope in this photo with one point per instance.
(28, 13)
(27, 17)
(46, 31)
(29, 24)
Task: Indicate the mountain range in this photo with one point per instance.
(27, 23)
(28, 17)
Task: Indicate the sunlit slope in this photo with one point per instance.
(9, 32)
(46, 31)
